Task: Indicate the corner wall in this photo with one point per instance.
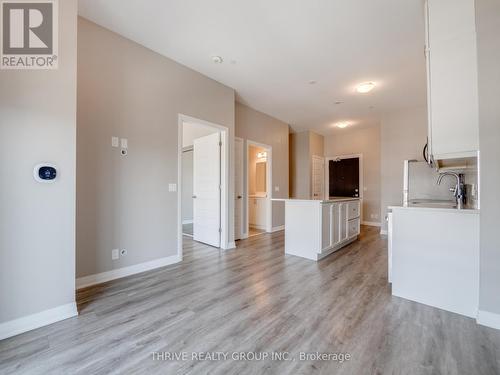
(403, 136)
(488, 44)
(129, 91)
(259, 127)
(37, 221)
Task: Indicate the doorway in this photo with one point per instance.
(344, 176)
(259, 194)
(203, 177)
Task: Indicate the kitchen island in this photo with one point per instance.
(317, 228)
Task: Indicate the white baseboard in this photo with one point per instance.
(259, 227)
(371, 223)
(488, 319)
(277, 229)
(34, 321)
(103, 277)
(187, 221)
(383, 232)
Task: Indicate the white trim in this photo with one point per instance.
(488, 319)
(34, 321)
(225, 201)
(361, 174)
(187, 221)
(269, 183)
(103, 277)
(371, 223)
(278, 228)
(230, 246)
(383, 232)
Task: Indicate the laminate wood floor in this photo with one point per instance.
(256, 299)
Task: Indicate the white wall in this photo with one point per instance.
(190, 132)
(403, 136)
(37, 221)
(126, 90)
(488, 44)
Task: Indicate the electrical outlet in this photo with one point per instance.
(124, 143)
(276, 188)
(115, 254)
(172, 188)
(123, 252)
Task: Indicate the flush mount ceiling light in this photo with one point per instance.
(217, 59)
(365, 87)
(342, 125)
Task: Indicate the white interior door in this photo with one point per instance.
(318, 177)
(207, 189)
(238, 189)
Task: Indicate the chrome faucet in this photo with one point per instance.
(458, 190)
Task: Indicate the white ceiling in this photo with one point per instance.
(273, 48)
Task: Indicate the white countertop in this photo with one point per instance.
(331, 200)
(435, 208)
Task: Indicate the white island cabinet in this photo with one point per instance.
(315, 228)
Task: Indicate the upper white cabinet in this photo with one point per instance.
(452, 78)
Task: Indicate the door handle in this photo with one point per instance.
(239, 197)
(194, 197)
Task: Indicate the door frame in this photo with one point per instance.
(244, 234)
(361, 172)
(224, 201)
(269, 184)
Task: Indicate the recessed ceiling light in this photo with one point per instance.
(342, 125)
(217, 59)
(365, 87)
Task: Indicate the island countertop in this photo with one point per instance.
(331, 200)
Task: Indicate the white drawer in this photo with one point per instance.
(353, 227)
(352, 210)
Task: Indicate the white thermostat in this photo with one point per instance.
(45, 173)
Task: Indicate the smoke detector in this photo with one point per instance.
(217, 59)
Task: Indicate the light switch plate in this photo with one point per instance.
(115, 254)
(115, 141)
(172, 188)
(124, 142)
(276, 188)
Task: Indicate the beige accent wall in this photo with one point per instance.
(488, 44)
(364, 141)
(259, 127)
(303, 146)
(403, 135)
(128, 91)
(300, 187)
(37, 221)
(316, 144)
